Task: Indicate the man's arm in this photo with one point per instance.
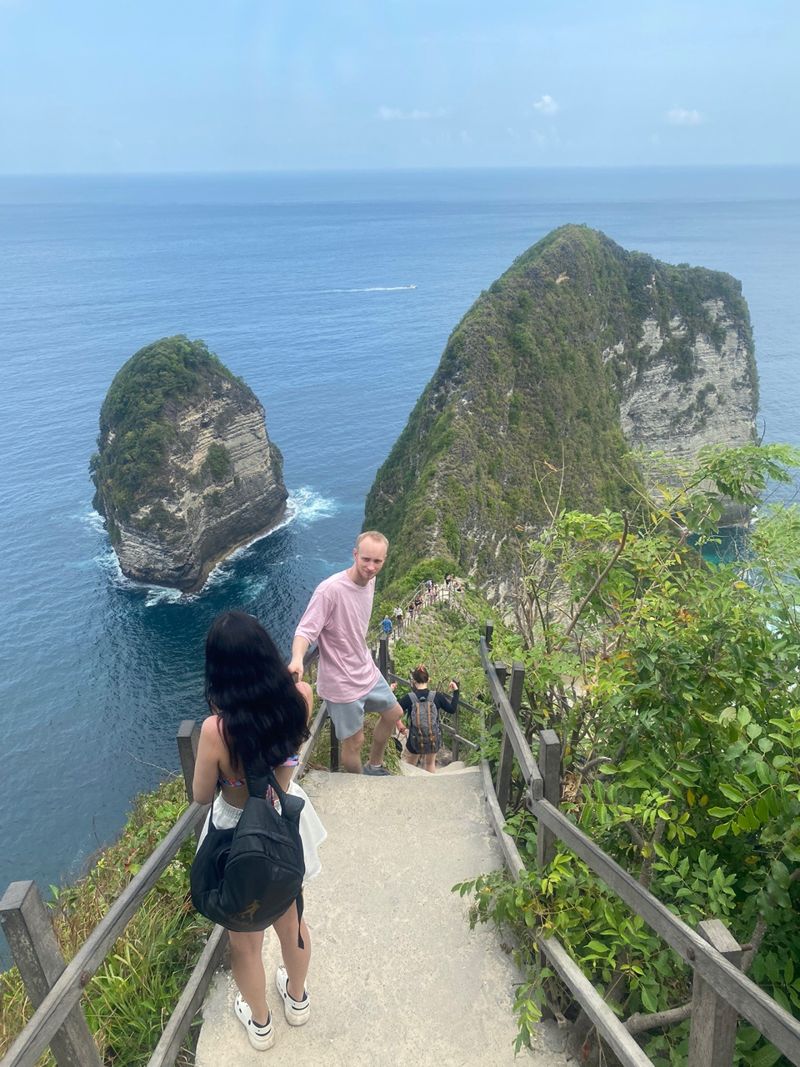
(300, 646)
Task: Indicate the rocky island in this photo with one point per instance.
(184, 472)
(579, 354)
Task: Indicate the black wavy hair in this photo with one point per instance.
(263, 714)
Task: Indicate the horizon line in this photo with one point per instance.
(256, 172)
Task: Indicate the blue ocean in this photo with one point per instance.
(332, 295)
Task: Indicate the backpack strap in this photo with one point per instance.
(259, 778)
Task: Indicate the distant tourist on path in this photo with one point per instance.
(398, 618)
(258, 714)
(422, 707)
(386, 625)
(348, 680)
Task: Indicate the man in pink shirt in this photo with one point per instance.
(348, 680)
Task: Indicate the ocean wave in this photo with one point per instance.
(372, 289)
(304, 506)
(307, 505)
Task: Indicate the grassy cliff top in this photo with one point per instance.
(137, 417)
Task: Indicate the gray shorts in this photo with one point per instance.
(349, 718)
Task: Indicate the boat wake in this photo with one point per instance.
(373, 289)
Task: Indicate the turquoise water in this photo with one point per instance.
(333, 296)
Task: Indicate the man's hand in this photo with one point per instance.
(299, 649)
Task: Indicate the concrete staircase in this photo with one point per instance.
(397, 977)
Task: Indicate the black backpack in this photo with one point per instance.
(425, 733)
(246, 877)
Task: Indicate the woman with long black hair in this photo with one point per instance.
(259, 714)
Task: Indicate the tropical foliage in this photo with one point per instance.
(673, 685)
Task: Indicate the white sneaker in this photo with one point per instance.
(260, 1037)
(296, 1011)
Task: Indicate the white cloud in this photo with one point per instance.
(396, 114)
(682, 116)
(546, 105)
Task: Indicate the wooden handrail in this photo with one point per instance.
(775, 1023)
(68, 989)
(527, 764)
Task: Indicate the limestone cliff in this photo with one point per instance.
(185, 471)
(579, 353)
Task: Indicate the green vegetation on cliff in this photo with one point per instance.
(524, 406)
(672, 686)
(137, 420)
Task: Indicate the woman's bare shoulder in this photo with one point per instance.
(307, 693)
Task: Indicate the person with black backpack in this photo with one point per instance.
(261, 837)
(422, 707)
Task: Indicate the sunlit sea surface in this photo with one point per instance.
(332, 295)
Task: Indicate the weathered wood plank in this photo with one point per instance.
(68, 989)
(188, 740)
(523, 753)
(777, 1025)
(191, 998)
(550, 767)
(614, 1033)
(383, 656)
(506, 762)
(712, 1037)
(458, 737)
(512, 858)
(313, 736)
(27, 926)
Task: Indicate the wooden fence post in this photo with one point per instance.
(712, 1036)
(550, 767)
(488, 630)
(334, 761)
(501, 670)
(506, 761)
(383, 655)
(30, 934)
(456, 731)
(188, 739)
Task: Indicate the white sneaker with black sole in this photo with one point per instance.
(296, 1011)
(260, 1037)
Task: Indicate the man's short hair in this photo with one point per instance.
(375, 535)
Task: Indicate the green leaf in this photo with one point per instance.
(721, 813)
(732, 793)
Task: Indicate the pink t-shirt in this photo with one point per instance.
(337, 618)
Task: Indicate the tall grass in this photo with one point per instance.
(132, 995)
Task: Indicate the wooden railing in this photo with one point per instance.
(56, 988)
(720, 992)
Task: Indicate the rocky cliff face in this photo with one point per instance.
(579, 353)
(714, 404)
(185, 471)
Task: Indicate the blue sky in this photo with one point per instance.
(229, 85)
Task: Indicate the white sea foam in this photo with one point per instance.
(305, 505)
(308, 505)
